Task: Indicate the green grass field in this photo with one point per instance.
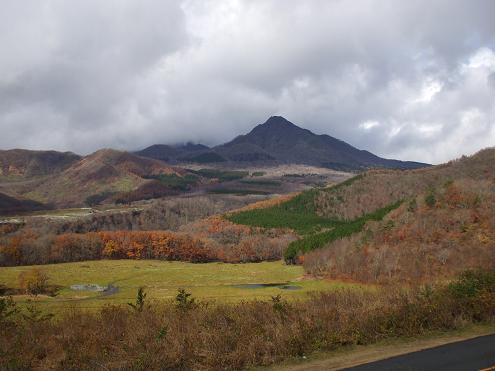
(161, 279)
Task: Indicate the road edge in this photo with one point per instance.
(359, 355)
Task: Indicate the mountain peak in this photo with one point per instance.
(276, 121)
(277, 126)
(279, 140)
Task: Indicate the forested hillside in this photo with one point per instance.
(384, 225)
(435, 234)
(378, 188)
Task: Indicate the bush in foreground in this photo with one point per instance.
(232, 337)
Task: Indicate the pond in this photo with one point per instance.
(105, 290)
(88, 287)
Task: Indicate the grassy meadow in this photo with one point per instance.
(161, 280)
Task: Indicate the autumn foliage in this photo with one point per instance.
(109, 245)
(33, 281)
(378, 188)
(434, 235)
(211, 239)
(266, 203)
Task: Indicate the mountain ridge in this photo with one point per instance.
(23, 163)
(102, 174)
(167, 152)
(50, 177)
(280, 141)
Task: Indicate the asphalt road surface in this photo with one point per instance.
(473, 354)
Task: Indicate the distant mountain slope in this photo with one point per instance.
(21, 163)
(117, 162)
(279, 141)
(172, 153)
(10, 205)
(102, 173)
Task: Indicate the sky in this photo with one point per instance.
(412, 80)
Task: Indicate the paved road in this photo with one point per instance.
(473, 354)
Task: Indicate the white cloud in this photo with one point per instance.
(368, 125)
(429, 90)
(127, 74)
(483, 58)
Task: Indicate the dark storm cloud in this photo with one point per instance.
(412, 80)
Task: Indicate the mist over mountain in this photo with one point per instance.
(128, 75)
(50, 177)
(279, 141)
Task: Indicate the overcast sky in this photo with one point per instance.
(413, 80)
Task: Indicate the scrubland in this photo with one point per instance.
(186, 334)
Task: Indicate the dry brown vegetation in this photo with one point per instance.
(163, 214)
(379, 188)
(69, 180)
(33, 282)
(22, 164)
(447, 228)
(189, 335)
(210, 239)
(267, 203)
(193, 234)
(445, 224)
(237, 243)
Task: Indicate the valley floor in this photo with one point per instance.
(219, 282)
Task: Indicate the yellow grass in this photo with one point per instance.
(161, 279)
